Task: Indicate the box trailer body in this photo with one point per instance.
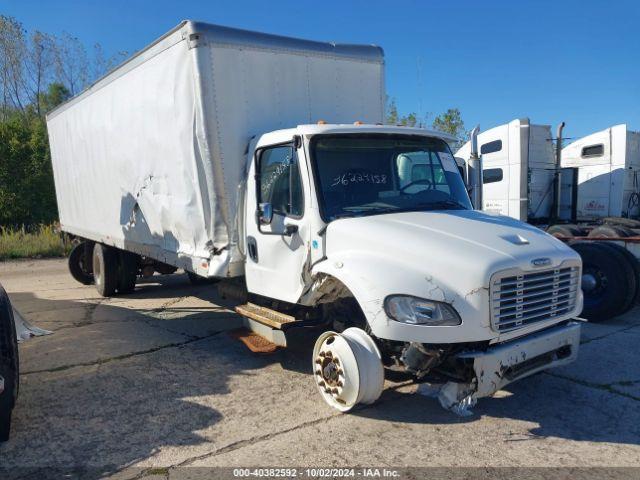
(202, 152)
(157, 148)
(608, 168)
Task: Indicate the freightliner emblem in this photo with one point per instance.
(541, 262)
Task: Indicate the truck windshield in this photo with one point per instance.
(369, 174)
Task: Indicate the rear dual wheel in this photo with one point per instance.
(80, 263)
(114, 270)
(610, 281)
(611, 231)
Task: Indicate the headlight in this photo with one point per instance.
(418, 311)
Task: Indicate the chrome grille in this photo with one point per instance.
(519, 299)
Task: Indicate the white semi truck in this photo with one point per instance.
(262, 161)
(586, 193)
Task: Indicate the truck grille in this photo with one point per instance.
(519, 299)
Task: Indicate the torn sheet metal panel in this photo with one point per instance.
(24, 330)
(511, 361)
(150, 157)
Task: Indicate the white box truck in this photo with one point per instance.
(262, 160)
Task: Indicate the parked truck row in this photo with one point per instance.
(262, 162)
(586, 194)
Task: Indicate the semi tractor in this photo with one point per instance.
(262, 162)
(586, 194)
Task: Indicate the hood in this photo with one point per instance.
(452, 242)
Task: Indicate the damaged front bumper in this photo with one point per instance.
(507, 362)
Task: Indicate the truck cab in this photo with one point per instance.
(377, 218)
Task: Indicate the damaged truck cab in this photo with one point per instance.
(373, 225)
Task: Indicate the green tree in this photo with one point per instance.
(38, 72)
(451, 122)
(27, 194)
(394, 118)
(56, 94)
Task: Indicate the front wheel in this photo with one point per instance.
(347, 368)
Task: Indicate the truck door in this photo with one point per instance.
(276, 249)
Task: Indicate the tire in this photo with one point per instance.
(611, 231)
(198, 280)
(623, 222)
(565, 230)
(127, 271)
(635, 265)
(105, 269)
(77, 265)
(9, 364)
(611, 284)
(165, 269)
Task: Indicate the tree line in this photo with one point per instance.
(448, 122)
(39, 71)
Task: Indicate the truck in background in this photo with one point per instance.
(201, 153)
(587, 190)
(607, 164)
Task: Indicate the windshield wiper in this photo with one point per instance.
(446, 203)
(365, 211)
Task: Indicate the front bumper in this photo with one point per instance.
(507, 362)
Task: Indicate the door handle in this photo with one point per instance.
(252, 248)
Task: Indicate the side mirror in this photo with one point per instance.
(265, 213)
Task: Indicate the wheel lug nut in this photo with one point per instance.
(322, 354)
(318, 361)
(321, 383)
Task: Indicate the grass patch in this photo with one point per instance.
(41, 241)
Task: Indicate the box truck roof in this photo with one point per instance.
(199, 33)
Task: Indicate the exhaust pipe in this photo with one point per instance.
(555, 210)
(474, 171)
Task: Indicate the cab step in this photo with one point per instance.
(254, 342)
(266, 323)
(265, 316)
